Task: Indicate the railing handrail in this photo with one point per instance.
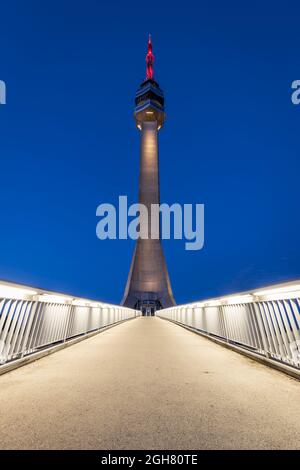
(28, 292)
(279, 291)
(266, 320)
(33, 318)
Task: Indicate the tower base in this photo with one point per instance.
(148, 285)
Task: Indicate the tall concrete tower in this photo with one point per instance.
(148, 286)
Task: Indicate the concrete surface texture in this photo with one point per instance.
(148, 384)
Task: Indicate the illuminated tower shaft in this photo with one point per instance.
(148, 287)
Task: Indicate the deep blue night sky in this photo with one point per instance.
(68, 140)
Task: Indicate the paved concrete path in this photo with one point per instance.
(147, 384)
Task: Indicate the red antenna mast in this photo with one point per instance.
(149, 60)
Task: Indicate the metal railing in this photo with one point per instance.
(32, 319)
(266, 320)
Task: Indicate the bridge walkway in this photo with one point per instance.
(148, 384)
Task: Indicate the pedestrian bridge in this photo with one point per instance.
(148, 383)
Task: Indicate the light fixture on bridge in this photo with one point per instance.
(213, 303)
(198, 305)
(276, 293)
(55, 299)
(95, 304)
(11, 292)
(237, 299)
(278, 290)
(80, 303)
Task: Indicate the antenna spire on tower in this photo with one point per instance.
(149, 60)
